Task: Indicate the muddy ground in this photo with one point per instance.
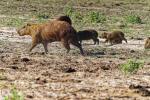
(61, 76)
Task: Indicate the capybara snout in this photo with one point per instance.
(25, 30)
(87, 35)
(21, 31)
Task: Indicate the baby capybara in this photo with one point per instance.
(147, 43)
(65, 18)
(87, 35)
(115, 37)
(50, 32)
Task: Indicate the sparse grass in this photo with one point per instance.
(87, 17)
(11, 22)
(41, 11)
(43, 16)
(134, 19)
(15, 95)
(131, 66)
(96, 17)
(75, 16)
(68, 10)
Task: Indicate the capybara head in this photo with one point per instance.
(104, 35)
(25, 30)
(65, 18)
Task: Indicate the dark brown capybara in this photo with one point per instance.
(87, 35)
(65, 18)
(147, 43)
(51, 31)
(114, 37)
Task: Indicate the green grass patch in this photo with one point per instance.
(131, 66)
(84, 17)
(43, 16)
(95, 17)
(68, 10)
(134, 19)
(11, 22)
(14, 95)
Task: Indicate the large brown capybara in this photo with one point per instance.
(87, 35)
(65, 18)
(147, 43)
(50, 32)
(114, 37)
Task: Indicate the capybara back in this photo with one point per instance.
(88, 34)
(65, 18)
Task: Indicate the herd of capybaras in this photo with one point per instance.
(61, 29)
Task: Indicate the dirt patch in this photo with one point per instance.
(57, 75)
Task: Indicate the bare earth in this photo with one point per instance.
(61, 76)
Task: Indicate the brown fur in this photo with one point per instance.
(50, 32)
(65, 18)
(88, 34)
(115, 37)
(147, 43)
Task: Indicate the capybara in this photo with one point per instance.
(147, 43)
(88, 34)
(65, 18)
(50, 32)
(114, 37)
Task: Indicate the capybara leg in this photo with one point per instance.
(80, 41)
(106, 41)
(117, 41)
(111, 42)
(97, 41)
(125, 40)
(45, 47)
(94, 41)
(33, 45)
(66, 45)
(78, 45)
(147, 45)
